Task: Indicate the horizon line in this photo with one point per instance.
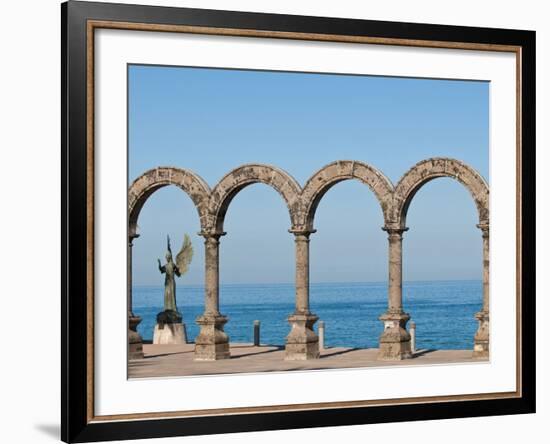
(319, 282)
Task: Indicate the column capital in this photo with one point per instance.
(212, 234)
(302, 232)
(484, 227)
(131, 237)
(395, 230)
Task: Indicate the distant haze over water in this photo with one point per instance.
(442, 310)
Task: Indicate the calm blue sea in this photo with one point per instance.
(443, 311)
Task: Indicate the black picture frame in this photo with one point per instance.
(76, 423)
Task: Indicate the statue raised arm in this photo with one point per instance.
(162, 268)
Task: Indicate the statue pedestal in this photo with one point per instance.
(169, 328)
(170, 334)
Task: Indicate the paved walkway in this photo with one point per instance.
(177, 360)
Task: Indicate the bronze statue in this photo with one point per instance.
(172, 269)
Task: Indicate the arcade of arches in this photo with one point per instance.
(212, 343)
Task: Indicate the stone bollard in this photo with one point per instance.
(412, 332)
(321, 335)
(256, 333)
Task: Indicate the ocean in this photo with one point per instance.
(442, 310)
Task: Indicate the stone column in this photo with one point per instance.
(481, 338)
(302, 343)
(212, 343)
(135, 342)
(395, 341)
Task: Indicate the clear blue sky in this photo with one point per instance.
(213, 120)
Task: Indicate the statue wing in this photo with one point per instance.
(183, 259)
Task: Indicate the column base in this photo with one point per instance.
(302, 343)
(395, 341)
(481, 338)
(212, 343)
(135, 342)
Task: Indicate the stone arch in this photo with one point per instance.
(429, 169)
(335, 172)
(239, 178)
(152, 180)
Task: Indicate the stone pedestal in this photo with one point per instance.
(302, 343)
(170, 334)
(481, 338)
(395, 341)
(170, 328)
(212, 343)
(135, 342)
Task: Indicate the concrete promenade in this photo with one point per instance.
(177, 360)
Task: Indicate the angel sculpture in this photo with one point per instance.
(171, 269)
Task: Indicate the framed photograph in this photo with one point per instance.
(275, 221)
